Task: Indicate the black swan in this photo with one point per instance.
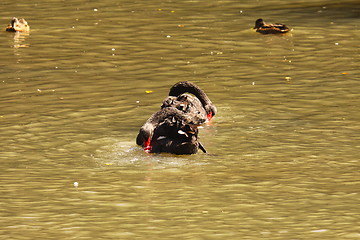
(174, 128)
(269, 28)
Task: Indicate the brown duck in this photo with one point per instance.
(269, 28)
(18, 25)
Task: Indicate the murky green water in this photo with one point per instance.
(284, 146)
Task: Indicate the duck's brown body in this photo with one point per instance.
(269, 28)
(18, 25)
(174, 128)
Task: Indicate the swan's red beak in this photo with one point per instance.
(209, 116)
(147, 145)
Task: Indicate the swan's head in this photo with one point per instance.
(210, 110)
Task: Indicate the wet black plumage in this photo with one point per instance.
(174, 128)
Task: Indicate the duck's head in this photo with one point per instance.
(259, 23)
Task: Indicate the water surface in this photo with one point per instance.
(283, 149)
